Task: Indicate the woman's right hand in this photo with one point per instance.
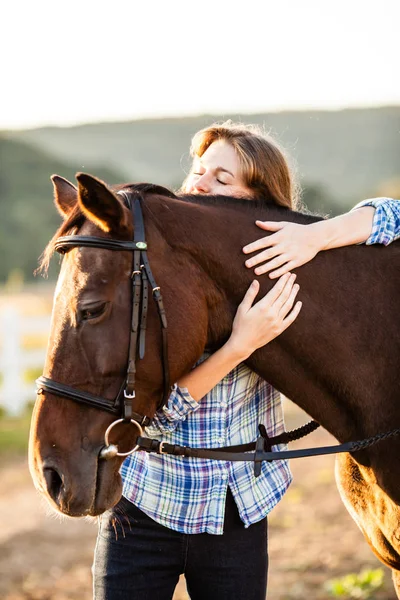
(258, 324)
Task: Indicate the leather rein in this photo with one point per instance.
(121, 406)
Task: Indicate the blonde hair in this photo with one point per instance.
(264, 166)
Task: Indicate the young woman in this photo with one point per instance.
(208, 519)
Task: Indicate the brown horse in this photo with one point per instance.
(339, 361)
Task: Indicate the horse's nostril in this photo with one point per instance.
(54, 482)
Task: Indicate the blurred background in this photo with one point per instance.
(118, 92)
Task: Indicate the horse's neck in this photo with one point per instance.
(294, 363)
(212, 237)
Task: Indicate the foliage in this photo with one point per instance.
(27, 217)
(358, 586)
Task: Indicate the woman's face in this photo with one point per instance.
(217, 172)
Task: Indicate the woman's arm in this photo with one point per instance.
(254, 326)
(292, 245)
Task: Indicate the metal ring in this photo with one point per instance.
(107, 433)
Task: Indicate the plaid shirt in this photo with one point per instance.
(386, 224)
(188, 494)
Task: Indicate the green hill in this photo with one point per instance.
(341, 157)
(27, 217)
(347, 153)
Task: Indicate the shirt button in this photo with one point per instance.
(220, 440)
(223, 404)
(224, 476)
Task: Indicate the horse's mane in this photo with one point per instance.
(76, 218)
(255, 205)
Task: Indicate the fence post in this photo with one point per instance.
(13, 397)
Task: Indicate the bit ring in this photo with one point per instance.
(117, 422)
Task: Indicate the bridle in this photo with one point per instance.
(141, 277)
(121, 406)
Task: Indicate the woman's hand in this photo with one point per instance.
(291, 246)
(256, 325)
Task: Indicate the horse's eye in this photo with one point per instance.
(92, 312)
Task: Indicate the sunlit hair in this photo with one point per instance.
(264, 167)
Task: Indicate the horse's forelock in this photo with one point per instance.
(73, 221)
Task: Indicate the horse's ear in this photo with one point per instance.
(65, 195)
(99, 204)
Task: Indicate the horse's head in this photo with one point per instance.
(89, 346)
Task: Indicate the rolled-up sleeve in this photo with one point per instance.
(386, 223)
(180, 404)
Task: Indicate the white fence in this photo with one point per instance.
(15, 359)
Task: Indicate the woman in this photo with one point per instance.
(208, 519)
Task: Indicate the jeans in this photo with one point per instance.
(139, 559)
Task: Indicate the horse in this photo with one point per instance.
(338, 361)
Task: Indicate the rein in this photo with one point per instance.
(121, 406)
(262, 448)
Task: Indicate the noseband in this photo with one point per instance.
(141, 278)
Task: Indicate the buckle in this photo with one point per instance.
(161, 448)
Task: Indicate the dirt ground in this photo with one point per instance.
(312, 539)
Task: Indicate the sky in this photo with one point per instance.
(65, 63)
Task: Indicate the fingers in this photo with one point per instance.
(261, 257)
(267, 241)
(271, 225)
(278, 288)
(275, 263)
(291, 316)
(264, 242)
(249, 296)
(289, 266)
(287, 300)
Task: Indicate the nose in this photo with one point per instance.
(202, 185)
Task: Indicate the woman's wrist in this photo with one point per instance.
(351, 228)
(235, 351)
(319, 235)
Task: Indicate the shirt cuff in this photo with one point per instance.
(180, 403)
(386, 222)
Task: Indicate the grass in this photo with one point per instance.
(14, 431)
(14, 434)
(360, 586)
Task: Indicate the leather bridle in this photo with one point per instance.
(141, 276)
(122, 404)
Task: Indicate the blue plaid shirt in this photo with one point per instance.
(386, 224)
(188, 494)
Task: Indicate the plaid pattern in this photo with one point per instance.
(386, 223)
(188, 494)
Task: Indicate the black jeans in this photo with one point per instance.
(139, 559)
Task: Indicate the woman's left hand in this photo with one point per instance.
(290, 246)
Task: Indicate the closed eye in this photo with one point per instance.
(219, 181)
